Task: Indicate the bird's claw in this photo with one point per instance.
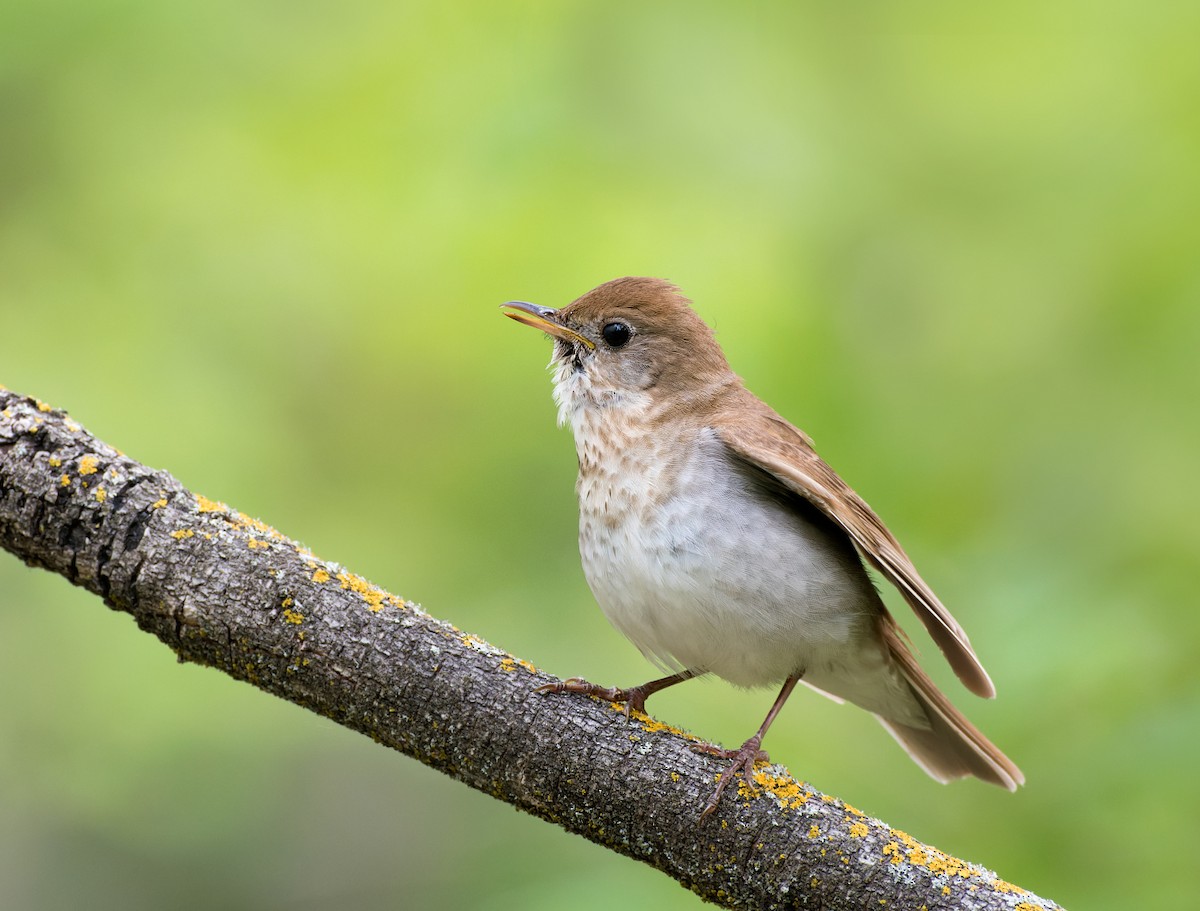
(634, 698)
(743, 760)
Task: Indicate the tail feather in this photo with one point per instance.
(951, 747)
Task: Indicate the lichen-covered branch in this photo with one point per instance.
(228, 591)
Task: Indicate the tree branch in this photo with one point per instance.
(225, 590)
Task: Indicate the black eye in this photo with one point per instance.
(616, 334)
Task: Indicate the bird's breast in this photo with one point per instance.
(697, 567)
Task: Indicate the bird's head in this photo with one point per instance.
(628, 340)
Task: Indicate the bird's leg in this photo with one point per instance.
(749, 753)
(634, 698)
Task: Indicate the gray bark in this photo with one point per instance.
(227, 591)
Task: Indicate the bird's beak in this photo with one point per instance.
(543, 318)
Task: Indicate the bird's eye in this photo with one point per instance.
(616, 334)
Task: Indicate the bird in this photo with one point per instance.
(715, 538)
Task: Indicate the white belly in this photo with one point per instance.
(710, 573)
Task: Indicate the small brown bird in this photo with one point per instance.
(715, 538)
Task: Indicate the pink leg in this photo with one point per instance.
(750, 752)
(634, 698)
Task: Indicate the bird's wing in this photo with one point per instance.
(765, 440)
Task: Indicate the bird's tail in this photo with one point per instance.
(951, 747)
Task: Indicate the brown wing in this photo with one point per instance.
(763, 439)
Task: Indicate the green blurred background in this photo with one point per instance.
(263, 245)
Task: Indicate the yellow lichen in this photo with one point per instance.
(932, 859)
(859, 830)
(649, 725)
(55, 462)
(374, 596)
(789, 792)
(252, 543)
(64, 481)
(1001, 886)
(182, 533)
(87, 464)
(652, 725)
(509, 663)
(814, 831)
(204, 504)
(242, 521)
(320, 576)
(291, 616)
(159, 503)
(100, 495)
(947, 865)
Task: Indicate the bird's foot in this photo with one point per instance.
(743, 761)
(634, 697)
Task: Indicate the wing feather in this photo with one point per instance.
(770, 443)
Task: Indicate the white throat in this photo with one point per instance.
(584, 404)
